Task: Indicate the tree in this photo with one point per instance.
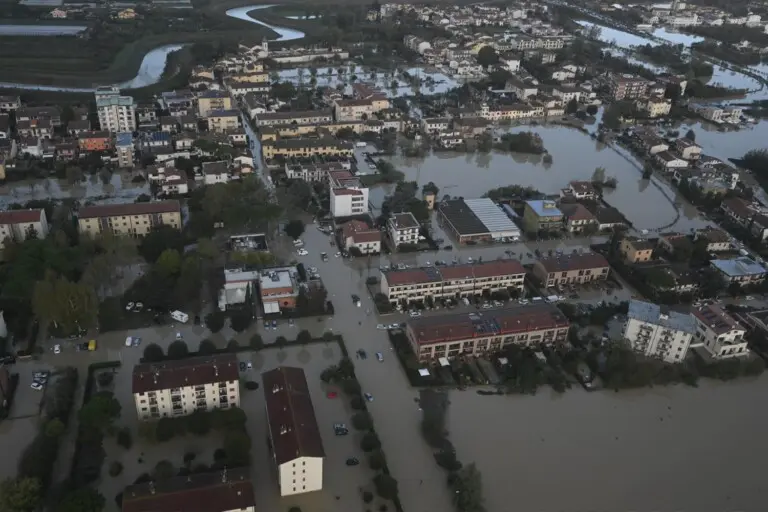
(598, 176)
(169, 262)
(237, 444)
(54, 427)
(362, 421)
(199, 423)
(153, 353)
(214, 321)
(690, 134)
(304, 337)
(164, 470)
(367, 497)
(206, 347)
(240, 320)
(572, 106)
(487, 57)
(165, 429)
(100, 411)
(70, 306)
(376, 460)
(158, 240)
(178, 350)
(294, 228)
(256, 342)
(370, 442)
(20, 494)
(467, 486)
(86, 499)
(386, 486)
(124, 438)
(233, 346)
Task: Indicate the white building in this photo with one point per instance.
(357, 234)
(719, 333)
(18, 225)
(215, 172)
(116, 113)
(174, 182)
(656, 332)
(179, 388)
(348, 196)
(403, 228)
(297, 447)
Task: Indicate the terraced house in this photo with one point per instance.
(476, 334)
(454, 281)
(571, 269)
(305, 147)
(296, 116)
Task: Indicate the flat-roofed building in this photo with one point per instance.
(542, 215)
(452, 281)
(295, 117)
(636, 250)
(742, 270)
(716, 239)
(571, 269)
(403, 228)
(213, 100)
(348, 196)
(134, 219)
(455, 334)
(297, 447)
(228, 490)
(18, 225)
(279, 288)
(655, 331)
(305, 147)
(719, 332)
(476, 220)
(179, 388)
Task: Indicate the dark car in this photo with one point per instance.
(352, 461)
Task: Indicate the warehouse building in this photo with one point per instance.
(476, 220)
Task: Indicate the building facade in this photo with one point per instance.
(655, 331)
(117, 113)
(403, 228)
(348, 196)
(131, 219)
(569, 269)
(18, 225)
(719, 333)
(210, 101)
(542, 215)
(179, 388)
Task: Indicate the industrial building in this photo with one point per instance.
(476, 220)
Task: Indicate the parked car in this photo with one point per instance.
(352, 461)
(340, 429)
(138, 307)
(414, 314)
(274, 325)
(36, 386)
(381, 327)
(379, 357)
(57, 349)
(129, 306)
(368, 397)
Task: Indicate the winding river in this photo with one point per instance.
(153, 64)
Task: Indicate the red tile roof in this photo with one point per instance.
(360, 232)
(291, 416)
(499, 322)
(347, 192)
(568, 262)
(453, 272)
(203, 492)
(193, 371)
(716, 319)
(576, 211)
(115, 210)
(21, 216)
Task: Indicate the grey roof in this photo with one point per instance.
(491, 215)
(659, 315)
(476, 216)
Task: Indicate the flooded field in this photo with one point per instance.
(575, 157)
(665, 449)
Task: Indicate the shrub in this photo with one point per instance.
(256, 343)
(376, 461)
(206, 347)
(124, 438)
(357, 403)
(251, 386)
(105, 379)
(215, 321)
(164, 470)
(362, 421)
(115, 468)
(370, 442)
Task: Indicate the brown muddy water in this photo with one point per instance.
(663, 449)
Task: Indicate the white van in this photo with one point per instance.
(180, 317)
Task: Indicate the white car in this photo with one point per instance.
(381, 327)
(337, 254)
(394, 326)
(302, 252)
(379, 357)
(312, 270)
(57, 349)
(129, 306)
(36, 386)
(138, 307)
(414, 314)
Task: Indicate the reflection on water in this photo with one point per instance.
(118, 189)
(41, 30)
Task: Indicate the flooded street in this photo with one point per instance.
(575, 157)
(662, 449)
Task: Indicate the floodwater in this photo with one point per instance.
(575, 157)
(118, 189)
(627, 40)
(153, 65)
(662, 449)
(40, 30)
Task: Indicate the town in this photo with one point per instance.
(290, 257)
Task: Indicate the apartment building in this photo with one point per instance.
(133, 219)
(314, 117)
(457, 334)
(210, 101)
(655, 331)
(636, 250)
(305, 147)
(348, 196)
(359, 109)
(626, 86)
(719, 332)
(296, 445)
(563, 269)
(403, 228)
(223, 121)
(94, 141)
(358, 235)
(125, 150)
(688, 149)
(452, 281)
(228, 490)
(717, 240)
(655, 107)
(18, 225)
(581, 190)
(179, 388)
(10, 103)
(215, 172)
(117, 113)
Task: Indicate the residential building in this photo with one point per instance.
(458, 334)
(95, 141)
(117, 113)
(564, 269)
(359, 109)
(476, 220)
(580, 190)
(125, 150)
(5, 126)
(215, 172)
(522, 89)
(294, 436)
(348, 196)
(688, 149)
(174, 183)
(740, 211)
(358, 235)
(301, 147)
(435, 125)
(670, 161)
(542, 215)
(719, 332)
(717, 239)
(278, 288)
(314, 117)
(228, 490)
(675, 243)
(181, 387)
(9, 103)
(626, 86)
(403, 228)
(452, 281)
(78, 126)
(636, 250)
(18, 225)
(213, 100)
(298, 170)
(742, 270)
(134, 219)
(222, 121)
(655, 106)
(52, 113)
(655, 331)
